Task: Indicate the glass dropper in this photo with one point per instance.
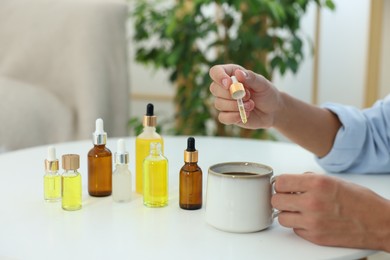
(237, 92)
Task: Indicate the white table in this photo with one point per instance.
(102, 229)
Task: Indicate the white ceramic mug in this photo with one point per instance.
(238, 197)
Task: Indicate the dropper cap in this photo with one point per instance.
(190, 154)
(51, 162)
(150, 119)
(99, 136)
(121, 156)
(236, 89)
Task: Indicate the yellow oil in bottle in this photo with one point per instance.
(51, 178)
(71, 182)
(71, 192)
(142, 149)
(155, 183)
(52, 187)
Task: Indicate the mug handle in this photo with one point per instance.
(275, 212)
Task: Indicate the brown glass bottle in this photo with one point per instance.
(190, 179)
(99, 164)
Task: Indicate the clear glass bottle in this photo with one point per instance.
(121, 177)
(190, 196)
(155, 183)
(99, 164)
(142, 145)
(52, 179)
(71, 182)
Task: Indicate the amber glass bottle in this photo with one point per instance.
(99, 164)
(190, 179)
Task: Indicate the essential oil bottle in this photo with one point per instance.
(121, 177)
(190, 179)
(99, 164)
(155, 178)
(142, 145)
(52, 179)
(71, 182)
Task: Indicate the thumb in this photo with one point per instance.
(251, 80)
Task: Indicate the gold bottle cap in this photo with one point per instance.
(70, 161)
(190, 157)
(51, 165)
(51, 162)
(236, 89)
(150, 121)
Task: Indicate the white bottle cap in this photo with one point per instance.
(121, 156)
(99, 136)
(51, 153)
(234, 79)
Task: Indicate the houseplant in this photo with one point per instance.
(187, 37)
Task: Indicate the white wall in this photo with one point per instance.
(343, 52)
(300, 84)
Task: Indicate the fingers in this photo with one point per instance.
(218, 91)
(287, 201)
(288, 183)
(229, 105)
(291, 220)
(229, 118)
(253, 80)
(225, 105)
(221, 74)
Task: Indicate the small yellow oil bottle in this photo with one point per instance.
(71, 182)
(142, 145)
(155, 183)
(52, 179)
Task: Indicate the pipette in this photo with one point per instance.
(237, 92)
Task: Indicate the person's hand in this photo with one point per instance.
(261, 101)
(328, 211)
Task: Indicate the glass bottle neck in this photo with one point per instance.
(71, 172)
(149, 129)
(121, 166)
(51, 172)
(155, 149)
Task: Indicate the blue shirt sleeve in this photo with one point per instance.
(362, 144)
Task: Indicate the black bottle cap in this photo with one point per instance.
(191, 144)
(150, 110)
(150, 119)
(190, 154)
